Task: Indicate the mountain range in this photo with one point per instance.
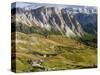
(63, 20)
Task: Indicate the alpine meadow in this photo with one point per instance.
(50, 37)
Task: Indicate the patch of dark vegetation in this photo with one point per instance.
(89, 40)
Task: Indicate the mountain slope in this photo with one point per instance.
(54, 52)
(52, 18)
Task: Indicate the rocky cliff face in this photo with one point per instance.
(61, 20)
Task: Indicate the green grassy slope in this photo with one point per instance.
(56, 52)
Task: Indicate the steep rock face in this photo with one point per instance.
(53, 18)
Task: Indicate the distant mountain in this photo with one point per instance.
(67, 21)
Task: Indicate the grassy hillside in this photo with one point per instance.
(54, 52)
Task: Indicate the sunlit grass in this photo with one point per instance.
(70, 53)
